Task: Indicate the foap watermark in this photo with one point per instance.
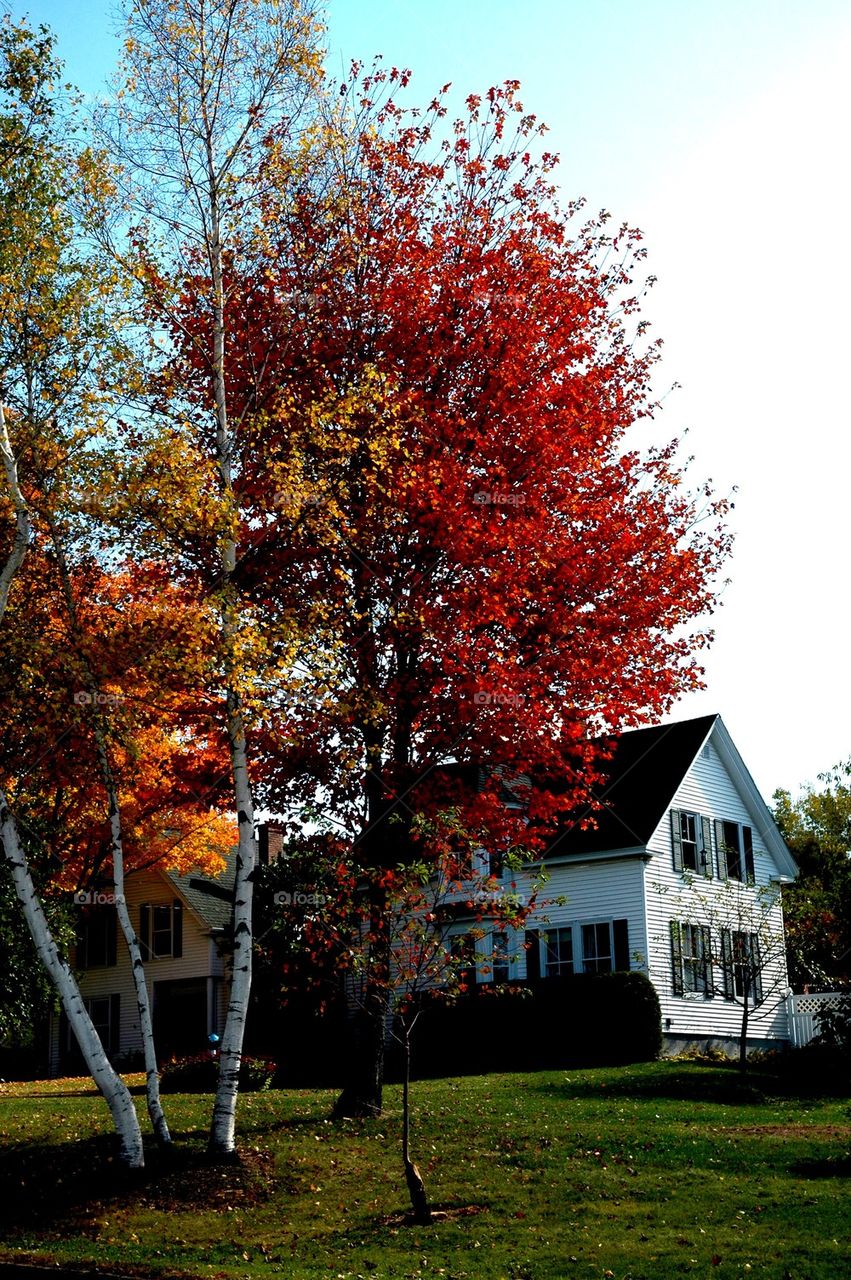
(491, 698)
(285, 899)
(97, 898)
(84, 699)
(498, 498)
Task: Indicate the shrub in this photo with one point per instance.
(200, 1074)
(603, 1019)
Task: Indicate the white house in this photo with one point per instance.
(181, 922)
(679, 877)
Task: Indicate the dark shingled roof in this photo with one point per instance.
(642, 776)
(210, 898)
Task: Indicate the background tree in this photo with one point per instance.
(53, 336)
(441, 490)
(817, 907)
(201, 84)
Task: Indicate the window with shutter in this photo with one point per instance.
(735, 850)
(691, 958)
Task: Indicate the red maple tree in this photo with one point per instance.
(440, 367)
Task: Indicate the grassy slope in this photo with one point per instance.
(652, 1171)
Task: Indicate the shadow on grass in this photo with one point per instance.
(68, 1184)
(710, 1082)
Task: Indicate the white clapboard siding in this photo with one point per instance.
(598, 890)
(200, 959)
(707, 789)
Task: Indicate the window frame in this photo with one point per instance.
(740, 866)
(702, 842)
(148, 931)
(691, 960)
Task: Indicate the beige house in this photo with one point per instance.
(181, 922)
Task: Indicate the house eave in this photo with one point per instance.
(602, 855)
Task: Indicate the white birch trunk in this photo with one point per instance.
(146, 1028)
(111, 1085)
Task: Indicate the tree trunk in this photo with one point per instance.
(413, 1177)
(152, 1075)
(152, 1078)
(111, 1085)
(743, 1038)
(362, 1093)
(223, 1126)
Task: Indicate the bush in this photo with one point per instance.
(603, 1019)
(200, 1074)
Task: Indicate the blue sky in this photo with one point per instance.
(722, 131)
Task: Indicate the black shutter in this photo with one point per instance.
(677, 839)
(721, 846)
(114, 1046)
(677, 957)
(145, 931)
(747, 842)
(620, 937)
(727, 964)
(177, 930)
(706, 944)
(111, 936)
(706, 851)
(533, 955)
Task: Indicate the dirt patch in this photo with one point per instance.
(194, 1182)
(821, 1132)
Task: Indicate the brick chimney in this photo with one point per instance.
(270, 842)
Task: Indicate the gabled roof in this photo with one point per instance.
(642, 777)
(210, 899)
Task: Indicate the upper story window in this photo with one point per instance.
(161, 930)
(691, 840)
(499, 956)
(735, 851)
(96, 938)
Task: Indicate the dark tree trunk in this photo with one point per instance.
(367, 1029)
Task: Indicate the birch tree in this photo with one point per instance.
(201, 84)
(43, 363)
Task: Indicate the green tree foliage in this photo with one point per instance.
(817, 828)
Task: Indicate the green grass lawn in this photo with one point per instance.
(652, 1171)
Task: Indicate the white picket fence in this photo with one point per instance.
(802, 1010)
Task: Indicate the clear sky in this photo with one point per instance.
(721, 129)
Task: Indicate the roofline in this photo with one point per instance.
(205, 924)
(600, 855)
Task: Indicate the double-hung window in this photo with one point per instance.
(558, 955)
(499, 956)
(597, 948)
(161, 930)
(691, 841)
(735, 851)
(742, 961)
(691, 958)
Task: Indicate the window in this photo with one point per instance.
(691, 839)
(462, 949)
(735, 851)
(691, 956)
(558, 955)
(742, 966)
(96, 938)
(105, 1013)
(161, 930)
(499, 957)
(597, 948)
